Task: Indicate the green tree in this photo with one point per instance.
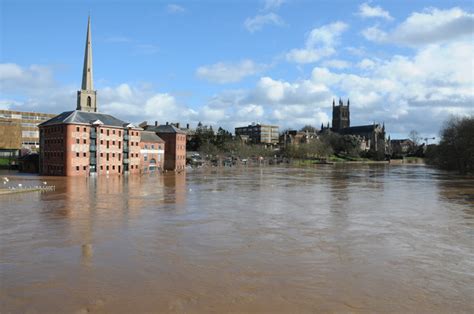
(456, 147)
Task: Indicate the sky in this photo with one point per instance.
(408, 64)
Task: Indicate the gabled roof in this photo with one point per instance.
(150, 137)
(165, 128)
(83, 117)
(359, 129)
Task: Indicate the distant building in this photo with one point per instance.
(259, 133)
(19, 130)
(152, 151)
(371, 136)
(175, 145)
(83, 141)
(402, 147)
(294, 137)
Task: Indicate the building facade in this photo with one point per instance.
(20, 130)
(152, 152)
(259, 133)
(84, 141)
(295, 138)
(175, 145)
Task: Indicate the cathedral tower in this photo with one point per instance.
(340, 116)
(87, 96)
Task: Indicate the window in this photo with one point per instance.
(77, 154)
(85, 167)
(108, 132)
(113, 167)
(85, 141)
(77, 141)
(152, 146)
(113, 155)
(113, 132)
(119, 156)
(120, 133)
(107, 144)
(77, 168)
(107, 168)
(101, 167)
(113, 143)
(102, 131)
(84, 154)
(85, 130)
(101, 142)
(88, 101)
(77, 129)
(101, 154)
(107, 156)
(119, 144)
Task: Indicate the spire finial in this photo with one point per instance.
(87, 81)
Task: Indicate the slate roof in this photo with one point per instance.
(359, 129)
(83, 117)
(150, 137)
(165, 128)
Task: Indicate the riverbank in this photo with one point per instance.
(331, 161)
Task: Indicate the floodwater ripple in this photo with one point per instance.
(343, 238)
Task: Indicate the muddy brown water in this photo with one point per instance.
(343, 239)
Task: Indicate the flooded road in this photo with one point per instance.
(353, 238)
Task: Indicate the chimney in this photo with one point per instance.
(177, 125)
(187, 126)
(156, 123)
(166, 122)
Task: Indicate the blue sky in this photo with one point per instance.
(408, 63)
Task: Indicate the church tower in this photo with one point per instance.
(340, 116)
(87, 96)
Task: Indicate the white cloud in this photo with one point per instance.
(272, 4)
(174, 8)
(14, 77)
(256, 23)
(427, 27)
(337, 64)
(320, 43)
(229, 72)
(367, 11)
(409, 92)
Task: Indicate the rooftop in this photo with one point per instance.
(164, 128)
(150, 137)
(82, 117)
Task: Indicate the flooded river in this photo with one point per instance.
(344, 239)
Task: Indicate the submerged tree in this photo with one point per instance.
(456, 148)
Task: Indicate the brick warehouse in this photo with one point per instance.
(84, 141)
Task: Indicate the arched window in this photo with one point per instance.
(88, 101)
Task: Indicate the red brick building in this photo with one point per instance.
(175, 145)
(80, 143)
(84, 141)
(152, 152)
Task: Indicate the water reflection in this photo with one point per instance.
(350, 238)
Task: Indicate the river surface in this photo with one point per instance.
(338, 239)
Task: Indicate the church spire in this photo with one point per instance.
(87, 83)
(86, 97)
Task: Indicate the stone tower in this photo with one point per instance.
(87, 96)
(340, 116)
